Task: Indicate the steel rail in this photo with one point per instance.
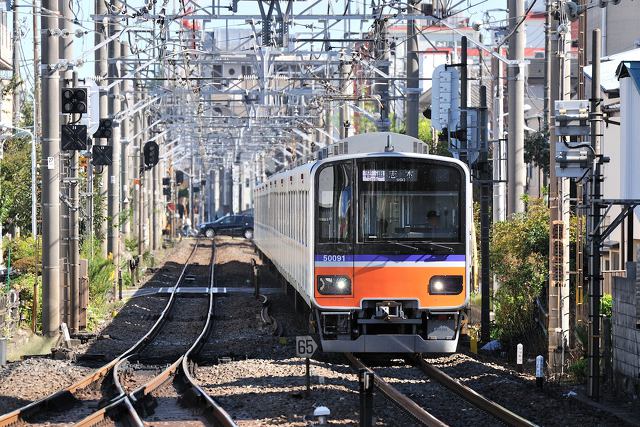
(472, 396)
(180, 371)
(61, 397)
(397, 397)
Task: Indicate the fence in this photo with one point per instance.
(607, 282)
(9, 312)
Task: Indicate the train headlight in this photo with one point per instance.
(334, 285)
(445, 285)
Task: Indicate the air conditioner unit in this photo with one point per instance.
(231, 71)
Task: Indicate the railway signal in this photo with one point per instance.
(102, 155)
(104, 129)
(151, 154)
(73, 137)
(74, 101)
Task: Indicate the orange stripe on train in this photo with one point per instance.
(390, 283)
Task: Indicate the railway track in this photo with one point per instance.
(130, 405)
(425, 417)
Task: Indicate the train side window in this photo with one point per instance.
(335, 188)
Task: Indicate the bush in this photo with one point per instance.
(519, 259)
(606, 305)
(21, 247)
(579, 369)
(101, 281)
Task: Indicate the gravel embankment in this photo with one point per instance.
(32, 379)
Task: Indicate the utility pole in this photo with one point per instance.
(515, 77)
(50, 172)
(593, 379)
(413, 73)
(102, 70)
(558, 291)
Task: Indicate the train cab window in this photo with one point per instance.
(409, 200)
(335, 188)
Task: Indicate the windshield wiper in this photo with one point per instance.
(401, 244)
(438, 245)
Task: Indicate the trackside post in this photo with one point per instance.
(365, 380)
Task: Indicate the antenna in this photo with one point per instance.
(389, 148)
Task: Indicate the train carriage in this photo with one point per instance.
(378, 244)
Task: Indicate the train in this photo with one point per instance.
(376, 236)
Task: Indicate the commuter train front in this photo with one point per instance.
(386, 247)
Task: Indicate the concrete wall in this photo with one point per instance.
(625, 335)
(619, 24)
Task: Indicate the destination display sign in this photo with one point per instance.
(390, 175)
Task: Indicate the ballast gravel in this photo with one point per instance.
(31, 379)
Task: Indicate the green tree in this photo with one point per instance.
(439, 148)
(536, 149)
(15, 176)
(519, 258)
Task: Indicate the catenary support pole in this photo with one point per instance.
(74, 237)
(113, 172)
(464, 92)
(485, 216)
(15, 75)
(382, 84)
(66, 80)
(499, 147)
(37, 118)
(125, 160)
(413, 74)
(515, 77)
(50, 173)
(102, 70)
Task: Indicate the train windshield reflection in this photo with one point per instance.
(409, 200)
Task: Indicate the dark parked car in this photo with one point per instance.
(230, 225)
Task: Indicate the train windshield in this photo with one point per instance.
(409, 200)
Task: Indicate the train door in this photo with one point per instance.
(334, 234)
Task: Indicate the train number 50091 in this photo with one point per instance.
(334, 258)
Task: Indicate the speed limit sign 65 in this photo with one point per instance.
(305, 346)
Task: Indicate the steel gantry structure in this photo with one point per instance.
(229, 91)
